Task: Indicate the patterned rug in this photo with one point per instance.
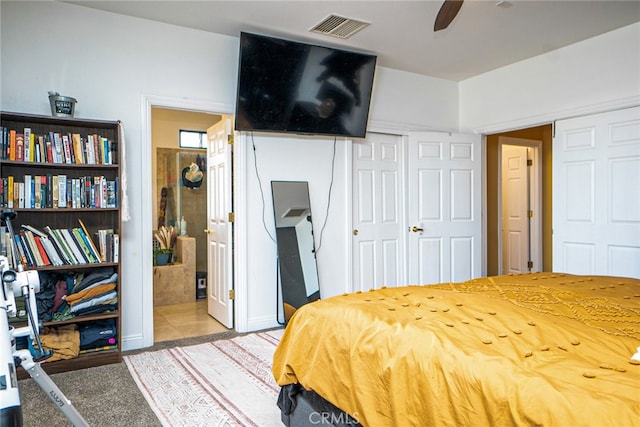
(220, 383)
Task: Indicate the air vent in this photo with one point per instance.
(339, 26)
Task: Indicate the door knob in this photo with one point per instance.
(206, 230)
(355, 232)
(417, 229)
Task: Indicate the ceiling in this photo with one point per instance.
(486, 34)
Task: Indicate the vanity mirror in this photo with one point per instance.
(296, 248)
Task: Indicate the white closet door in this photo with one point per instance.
(378, 209)
(444, 207)
(596, 194)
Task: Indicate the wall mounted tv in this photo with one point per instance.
(287, 86)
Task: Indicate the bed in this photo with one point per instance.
(540, 349)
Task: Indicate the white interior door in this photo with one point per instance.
(378, 211)
(444, 202)
(596, 197)
(515, 208)
(219, 226)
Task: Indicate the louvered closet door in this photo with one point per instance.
(596, 194)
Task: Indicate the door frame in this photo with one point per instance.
(535, 198)
(147, 103)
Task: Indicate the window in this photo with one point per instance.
(193, 139)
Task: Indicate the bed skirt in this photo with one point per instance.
(300, 407)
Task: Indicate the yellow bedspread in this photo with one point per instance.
(537, 349)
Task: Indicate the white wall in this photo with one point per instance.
(598, 74)
(115, 64)
(291, 159)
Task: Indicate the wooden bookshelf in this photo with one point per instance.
(104, 163)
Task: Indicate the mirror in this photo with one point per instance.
(296, 247)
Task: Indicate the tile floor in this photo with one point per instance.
(171, 322)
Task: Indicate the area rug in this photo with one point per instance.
(220, 383)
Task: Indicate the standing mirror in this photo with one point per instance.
(296, 248)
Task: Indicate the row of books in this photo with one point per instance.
(61, 246)
(58, 191)
(57, 147)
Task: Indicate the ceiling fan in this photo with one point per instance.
(447, 13)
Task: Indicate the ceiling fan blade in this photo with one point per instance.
(447, 13)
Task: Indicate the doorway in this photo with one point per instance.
(180, 311)
(520, 202)
(493, 199)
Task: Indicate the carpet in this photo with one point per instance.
(220, 383)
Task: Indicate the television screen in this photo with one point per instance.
(287, 86)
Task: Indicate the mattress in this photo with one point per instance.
(533, 349)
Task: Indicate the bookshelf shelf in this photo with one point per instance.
(67, 220)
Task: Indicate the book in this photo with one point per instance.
(35, 191)
(47, 251)
(58, 150)
(28, 152)
(73, 245)
(19, 255)
(21, 195)
(25, 253)
(116, 247)
(42, 156)
(54, 191)
(43, 251)
(103, 237)
(90, 242)
(52, 252)
(56, 245)
(62, 191)
(33, 248)
(111, 195)
(66, 147)
(16, 194)
(48, 185)
(64, 250)
(9, 192)
(43, 191)
(12, 144)
(49, 149)
(77, 148)
(84, 245)
(19, 147)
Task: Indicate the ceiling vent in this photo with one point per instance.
(339, 26)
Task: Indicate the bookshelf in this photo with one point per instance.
(61, 176)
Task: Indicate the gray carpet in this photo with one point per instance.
(104, 395)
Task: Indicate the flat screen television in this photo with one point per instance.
(287, 86)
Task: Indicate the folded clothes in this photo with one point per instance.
(96, 300)
(107, 306)
(95, 276)
(88, 293)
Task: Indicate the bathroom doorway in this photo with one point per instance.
(179, 204)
